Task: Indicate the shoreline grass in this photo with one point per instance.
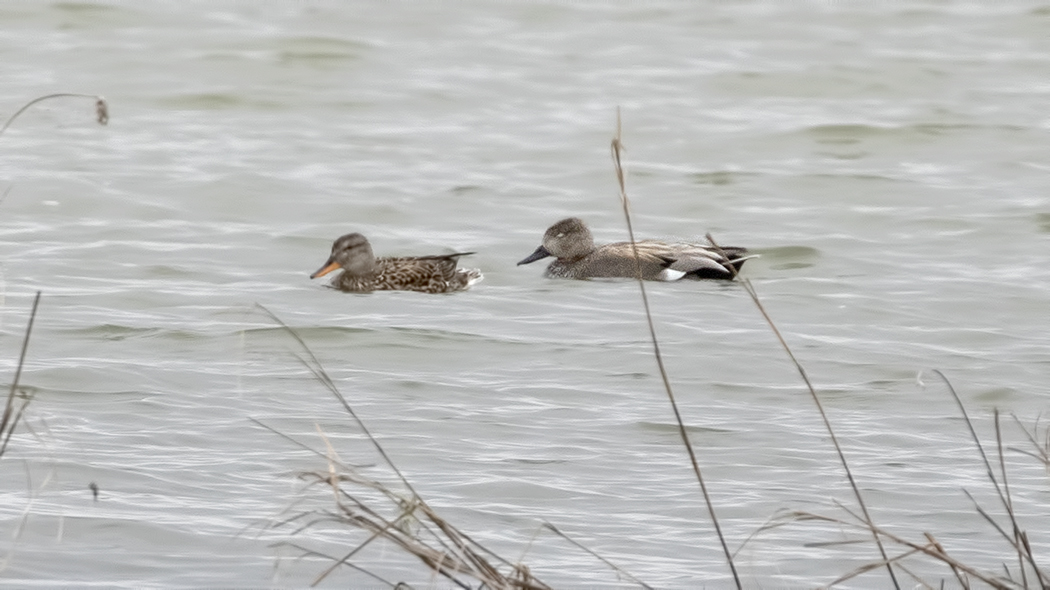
(407, 521)
(1016, 537)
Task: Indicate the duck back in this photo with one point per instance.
(657, 261)
(427, 274)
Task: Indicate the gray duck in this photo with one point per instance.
(571, 243)
(363, 272)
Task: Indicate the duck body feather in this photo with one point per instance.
(577, 257)
(657, 261)
(426, 274)
(362, 272)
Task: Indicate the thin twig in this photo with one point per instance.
(617, 148)
(333, 481)
(973, 434)
(1003, 496)
(1019, 543)
(927, 549)
(750, 288)
(963, 582)
(11, 416)
(618, 569)
(871, 566)
(101, 108)
(318, 371)
(457, 552)
(1042, 453)
(1009, 499)
(306, 551)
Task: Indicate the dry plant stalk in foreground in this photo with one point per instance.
(12, 413)
(1026, 574)
(862, 521)
(617, 150)
(402, 518)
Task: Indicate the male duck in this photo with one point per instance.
(363, 272)
(570, 241)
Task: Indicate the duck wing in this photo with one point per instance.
(454, 256)
(430, 274)
(618, 260)
(418, 269)
(698, 261)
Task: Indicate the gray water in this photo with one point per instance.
(889, 162)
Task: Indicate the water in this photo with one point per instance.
(888, 161)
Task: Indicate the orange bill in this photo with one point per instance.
(327, 268)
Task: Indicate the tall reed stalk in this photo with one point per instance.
(827, 424)
(617, 149)
(1016, 536)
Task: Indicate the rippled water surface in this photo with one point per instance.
(891, 163)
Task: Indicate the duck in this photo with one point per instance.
(571, 243)
(364, 273)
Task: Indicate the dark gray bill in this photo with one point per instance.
(540, 252)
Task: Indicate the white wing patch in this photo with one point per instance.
(669, 274)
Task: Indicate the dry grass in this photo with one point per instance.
(1040, 443)
(400, 516)
(14, 410)
(1026, 574)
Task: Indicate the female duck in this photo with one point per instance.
(363, 272)
(570, 241)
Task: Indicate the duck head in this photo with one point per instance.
(352, 253)
(568, 239)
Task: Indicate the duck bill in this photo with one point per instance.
(540, 252)
(327, 268)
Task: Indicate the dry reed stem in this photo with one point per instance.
(1017, 537)
(1018, 534)
(307, 552)
(1042, 450)
(101, 108)
(449, 552)
(612, 565)
(875, 565)
(940, 548)
(11, 415)
(617, 148)
(937, 552)
(933, 550)
(820, 408)
(915, 577)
